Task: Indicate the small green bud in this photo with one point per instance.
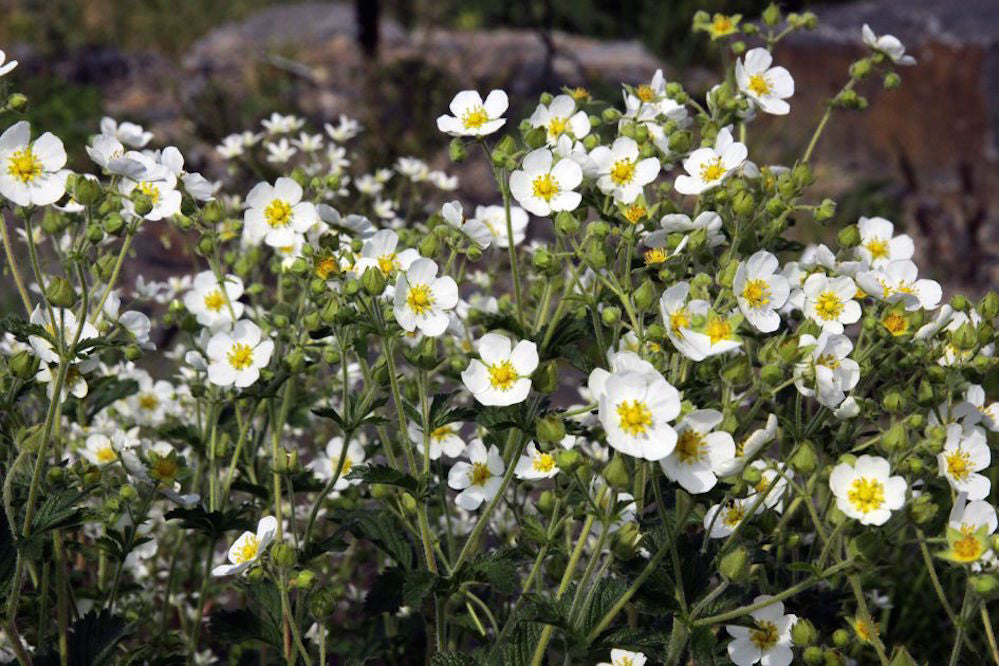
(924, 393)
(550, 429)
(959, 302)
(625, 541)
(610, 115)
(373, 281)
(312, 321)
(295, 360)
(805, 459)
(566, 223)
(610, 315)
(922, 509)
(322, 603)
(616, 473)
(128, 492)
(55, 475)
(726, 276)
(849, 237)
(568, 460)
(598, 229)
(841, 638)
(771, 16)
(429, 245)
(679, 142)
(17, 102)
(546, 503)
(985, 585)
(894, 401)
(474, 253)
(142, 203)
(813, 655)
(825, 210)
(299, 267)
(536, 138)
(283, 555)
(752, 476)
(133, 352)
(804, 632)
(988, 307)
(457, 150)
(542, 259)
(408, 503)
(23, 365)
(305, 579)
(545, 378)
(743, 203)
(772, 374)
(60, 293)
(87, 191)
(964, 338)
(734, 566)
(645, 296)
(892, 80)
(860, 68)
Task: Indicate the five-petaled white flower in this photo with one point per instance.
(493, 218)
(700, 453)
(235, 358)
(422, 299)
(216, 305)
(6, 66)
(380, 251)
(707, 167)
(887, 44)
(560, 117)
(768, 641)
(100, 450)
(480, 478)
(31, 172)
(721, 519)
(621, 172)
(155, 180)
(248, 548)
(767, 86)
(63, 324)
(829, 301)
(866, 491)
(276, 213)
(828, 366)
(898, 281)
(625, 658)
(974, 411)
(472, 116)
(692, 327)
(326, 463)
(444, 439)
(475, 230)
(636, 407)
(966, 453)
(761, 291)
(502, 373)
(543, 188)
(535, 464)
(878, 244)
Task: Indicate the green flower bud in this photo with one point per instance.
(536, 138)
(610, 115)
(988, 307)
(616, 473)
(849, 237)
(283, 555)
(322, 603)
(645, 296)
(429, 245)
(924, 393)
(312, 321)
(408, 503)
(965, 337)
(373, 281)
(295, 360)
(299, 267)
(655, 332)
(133, 352)
(546, 503)
(752, 476)
(545, 378)
(60, 293)
(255, 574)
(17, 102)
(804, 632)
(841, 638)
(142, 202)
(986, 585)
(457, 150)
(610, 315)
(305, 579)
(542, 259)
(55, 475)
(915, 421)
(641, 133)
(772, 374)
(813, 655)
(959, 302)
(922, 509)
(860, 68)
(727, 274)
(894, 401)
(474, 253)
(568, 461)
(743, 203)
(625, 541)
(128, 493)
(805, 460)
(734, 566)
(825, 211)
(679, 142)
(595, 255)
(598, 229)
(771, 16)
(550, 429)
(628, 130)
(566, 223)
(23, 365)
(87, 191)
(892, 80)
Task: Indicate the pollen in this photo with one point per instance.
(479, 474)
(967, 549)
(895, 323)
(240, 357)
(878, 248)
(386, 263)
(722, 26)
(656, 255)
(437, 434)
(579, 93)
(543, 462)
(150, 190)
(756, 293)
(247, 551)
(866, 495)
(959, 464)
(502, 375)
(556, 126)
(164, 469)
(420, 299)
(712, 170)
(691, 447)
(475, 117)
(148, 401)
(759, 85)
(623, 172)
(106, 454)
(764, 636)
(545, 187)
(636, 419)
(718, 329)
(645, 93)
(635, 213)
(733, 515)
(278, 213)
(679, 320)
(828, 306)
(214, 300)
(24, 165)
(827, 361)
(326, 267)
(347, 464)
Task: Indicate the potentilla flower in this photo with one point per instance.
(279, 152)
(965, 453)
(502, 373)
(475, 230)
(969, 517)
(535, 464)
(767, 86)
(130, 134)
(621, 172)
(235, 358)
(887, 44)
(278, 124)
(151, 404)
(624, 658)
(216, 305)
(379, 252)
(157, 182)
(472, 116)
(878, 244)
(248, 548)
(768, 641)
(721, 519)
(31, 173)
(700, 453)
(75, 383)
(108, 152)
(325, 464)
(493, 218)
(422, 299)
(865, 490)
(480, 478)
(100, 450)
(6, 66)
(761, 291)
(442, 181)
(828, 366)
(897, 281)
(561, 117)
(670, 223)
(974, 411)
(444, 439)
(63, 323)
(707, 167)
(695, 330)
(543, 188)
(636, 408)
(231, 147)
(276, 213)
(772, 482)
(412, 168)
(747, 447)
(829, 301)
(346, 129)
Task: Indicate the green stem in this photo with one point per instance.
(14, 270)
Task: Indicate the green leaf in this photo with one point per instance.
(606, 594)
(92, 640)
(213, 524)
(106, 391)
(383, 530)
(58, 510)
(385, 593)
(21, 328)
(455, 659)
(385, 475)
(417, 586)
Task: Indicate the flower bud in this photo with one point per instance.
(87, 191)
(803, 632)
(743, 203)
(408, 503)
(295, 360)
(60, 293)
(813, 655)
(922, 509)
(986, 585)
(546, 503)
(457, 150)
(305, 579)
(860, 68)
(679, 142)
(566, 223)
(616, 473)
(825, 211)
(23, 365)
(645, 296)
(965, 337)
(373, 281)
(752, 476)
(312, 322)
(988, 307)
(849, 237)
(805, 459)
(626, 541)
(283, 555)
(17, 102)
(550, 429)
(322, 603)
(771, 374)
(536, 138)
(892, 80)
(841, 638)
(545, 378)
(734, 566)
(568, 461)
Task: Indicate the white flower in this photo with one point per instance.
(535, 464)
(422, 299)
(636, 407)
(151, 404)
(708, 220)
(413, 168)
(248, 548)
(325, 464)
(157, 182)
(767, 86)
(966, 453)
(443, 439)
(442, 181)
(475, 230)
(278, 124)
(887, 44)
(236, 358)
(308, 143)
(833, 373)
(279, 152)
(346, 129)
(542, 188)
(761, 291)
(624, 658)
(769, 641)
(878, 246)
(772, 482)
(231, 146)
(379, 251)
(721, 520)
(130, 134)
(480, 478)
(700, 454)
(896, 281)
(100, 450)
(560, 117)
(276, 213)
(472, 116)
(6, 66)
(31, 173)
(213, 307)
(829, 301)
(707, 167)
(974, 411)
(746, 448)
(108, 152)
(502, 373)
(847, 409)
(694, 330)
(969, 517)
(493, 218)
(65, 325)
(865, 491)
(621, 173)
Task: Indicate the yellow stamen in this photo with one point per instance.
(866, 495)
(502, 375)
(278, 213)
(756, 293)
(635, 417)
(240, 356)
(545, 187)
(828, 306)
(420, 298)
(690, 447)
(712, 170)
(24, 165)
(475, 117)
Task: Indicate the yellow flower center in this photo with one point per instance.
(865, 630)
(556, 126)
(679, 320)
(347, 464)
(278, 213)
(635, 213)
(959, 464)
(475, 117)
(326, 267)
(645, 93)
(759, 85)
(635, 417)
(878, 248)
(148, 401)
(690, 447)
(240, 357)
(764, 636)
(656, 255)
(543, 462)
(624, 661)
(718, 329)
(502, 375)
(895, 323)
(733, 514)
(756, 293)
(828, 306)
(623, 172)
(247, 551)
(420, 298)
(150, 190)
(164, 469)
(24, 166)
(387, 263)
(214, 300)
(580, 93)
(721, 26)
(828, 361)
(438, 434)
(480, 474)
(712, 170)
(545, 187)
(967, 548)
(866, 495)
(106, 454)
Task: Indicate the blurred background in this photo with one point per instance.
(192, 71)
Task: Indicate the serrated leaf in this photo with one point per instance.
(21, 328)
(454, 659)
(417, 586)
(106, 391)
(213, 524)
(92, 640)
(58, 510)
(385, 593)
(383, 474)
(383, 530)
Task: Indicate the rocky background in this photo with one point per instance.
(924, 155)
